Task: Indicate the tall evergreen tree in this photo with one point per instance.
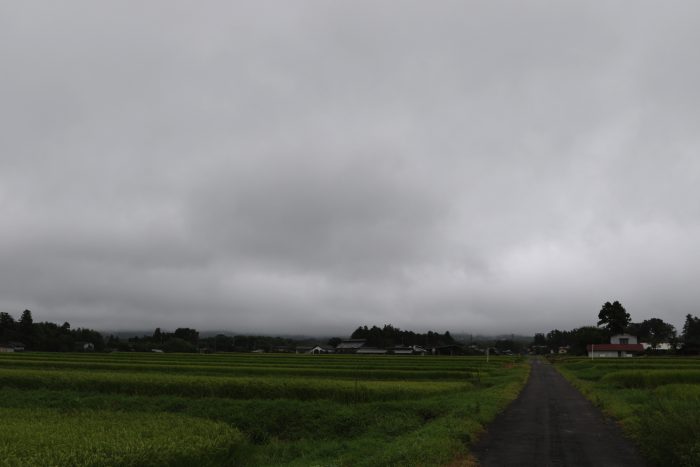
(26, 322)
(7, 322)
(691, 330)
(7, 327)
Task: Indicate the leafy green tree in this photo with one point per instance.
(691, 335)
(7, 323)
(539, 339)
(187, 334)
(556, 338)
(539, 344)
(219, 343)
(54, 338)
(581, 337)
(176, 344)
(114, 343)
(334, 341)
(89, 335)
(389, 336)
(510, 345)
(613, 317)
(656, 331)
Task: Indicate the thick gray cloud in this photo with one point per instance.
(288, 167)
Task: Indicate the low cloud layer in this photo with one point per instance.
(311, 166)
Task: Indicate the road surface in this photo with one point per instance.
(552, 424)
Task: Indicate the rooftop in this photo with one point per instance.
(616, 347)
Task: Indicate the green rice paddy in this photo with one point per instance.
(129, 409)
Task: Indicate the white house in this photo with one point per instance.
(623, 339)
(621, 345)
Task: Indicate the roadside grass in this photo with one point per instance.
(656, 401)
(290, 410)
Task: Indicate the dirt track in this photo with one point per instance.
(552, 424)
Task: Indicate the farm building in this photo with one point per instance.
(320, 349)
(621, 345)
(418, 350)
(350, 345)
(408, 350)
(12, 347)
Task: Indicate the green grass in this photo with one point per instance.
(656, 400)
(238, 409)
(154, 384)
(59, 437)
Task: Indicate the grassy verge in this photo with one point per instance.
(656, 401)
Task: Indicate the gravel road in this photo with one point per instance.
(552, 424)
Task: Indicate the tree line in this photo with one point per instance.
(46, 336)
(189, 340)
(613, 319)
(390, 336)
(53, 337)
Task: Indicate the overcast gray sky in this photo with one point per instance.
(311, 166)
